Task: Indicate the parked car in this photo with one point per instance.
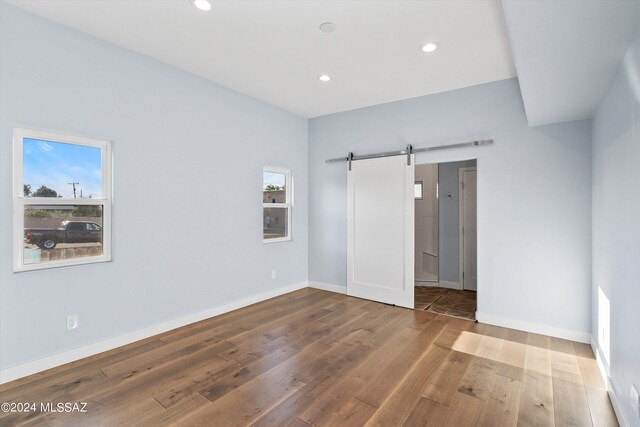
(70, 232)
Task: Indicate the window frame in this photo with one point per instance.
(421, 190)
(288, 199)
(20, 201)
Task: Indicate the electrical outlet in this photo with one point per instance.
(273, 274)
(72, 322)
(635, 400)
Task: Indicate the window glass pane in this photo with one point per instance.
(61, 232)
(54, 169)
(274, 222)
(274, 187)
(417, 190)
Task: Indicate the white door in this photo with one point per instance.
(380, 215)
(469, 229)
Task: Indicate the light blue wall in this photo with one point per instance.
(187, 207)
(616, 225)
(534, 197)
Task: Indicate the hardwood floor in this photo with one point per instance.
(322, 359)
(452, 302)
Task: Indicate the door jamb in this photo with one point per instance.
(461, 172)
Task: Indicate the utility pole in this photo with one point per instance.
(74, 187)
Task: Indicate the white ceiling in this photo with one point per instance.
(274, 51)
(567, 52)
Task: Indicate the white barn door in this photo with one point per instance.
(380, 230)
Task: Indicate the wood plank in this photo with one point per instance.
(426, 413)
(72, 372)
(536, 399)
(501, 409)
(204, 378)
(175, 414)
(256, 310)
(319, 373)
(602, 413)
(155, 359)
(444, 385)
(453, 332)
(388, 377)
(465, 342)
(354, 413)
(588, 364)
(108, 402)
(490, 348)
(398, 406)
(389, 338)
(476, 382)
(511, 360)
(570, 402)
(245, 374)
(248, 402)
(464, 411)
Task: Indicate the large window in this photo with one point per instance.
(276, 204)
(61, 200)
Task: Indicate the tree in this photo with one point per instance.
(271, 187)
(45, 191)
(27, 190)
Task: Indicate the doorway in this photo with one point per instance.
(445, 197)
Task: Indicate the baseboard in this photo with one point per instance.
(440, 284)
(450, 285)
(59, 359)
(536, 328)
(617, 408)
(328, 287)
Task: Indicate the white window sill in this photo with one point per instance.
(278, 240)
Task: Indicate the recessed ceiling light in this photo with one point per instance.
(430, 47)
(202, 5)
(328, 27)
(324, 78)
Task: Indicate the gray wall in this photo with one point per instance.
(534, 197)
(187, 207)
(448, 208)
(616, 229)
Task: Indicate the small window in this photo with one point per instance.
(417, 190)
(276, 204)
(61, 200)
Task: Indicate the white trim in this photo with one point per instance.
(461, 172)
(536, 328)
(450, 285)
(288, 195)
(329, 287)
(58, 359)
(617, 408)
(441, 284)
(20, 201)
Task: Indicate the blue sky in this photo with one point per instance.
(55, 165)
(274, 179)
